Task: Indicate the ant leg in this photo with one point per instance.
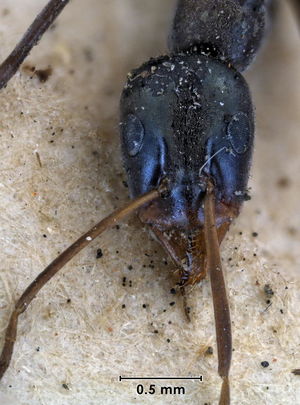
(46, 275)
(220, 300)
(31, 37)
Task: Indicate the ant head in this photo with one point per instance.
(187, 118)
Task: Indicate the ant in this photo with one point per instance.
(207, 184)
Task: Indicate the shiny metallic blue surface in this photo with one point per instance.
(197, 121)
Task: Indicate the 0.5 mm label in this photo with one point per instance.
(152, 389)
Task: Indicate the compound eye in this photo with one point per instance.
(239, 132)
(134, 133)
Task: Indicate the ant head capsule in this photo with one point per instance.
(187, 118)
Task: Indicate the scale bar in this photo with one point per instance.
(161, 378)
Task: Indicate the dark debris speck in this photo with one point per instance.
(43, 74)
(209, 351)
(99, 253)
(283, 182)
(268, 290)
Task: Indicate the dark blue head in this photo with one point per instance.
(185, 118)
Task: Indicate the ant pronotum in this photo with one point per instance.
(94, 216)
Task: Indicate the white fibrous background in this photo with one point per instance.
(61, 171)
